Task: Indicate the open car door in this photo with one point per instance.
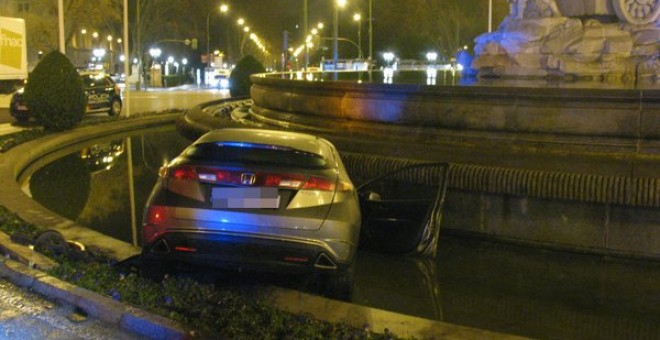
(402, 210)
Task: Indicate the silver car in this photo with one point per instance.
(255, 199)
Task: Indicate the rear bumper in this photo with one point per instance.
(249, 252)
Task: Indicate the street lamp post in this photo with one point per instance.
(371, 33)
(306, 32)
(490, 16)
(335, 31)
(223, 9)
(358, 18)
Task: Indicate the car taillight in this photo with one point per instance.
(153, 224)
(183, 173)
(291, 181)
(319, 183)
(156, 215)
(219, 176)
(247, 178)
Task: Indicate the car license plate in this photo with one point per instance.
(21, 107)
(245, 198)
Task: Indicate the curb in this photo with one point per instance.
(377, 320)
(103, 308)
(14, 162)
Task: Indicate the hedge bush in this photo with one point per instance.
(239, 79)
(55, 94)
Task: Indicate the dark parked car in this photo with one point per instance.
(103, 95)
(255, 199)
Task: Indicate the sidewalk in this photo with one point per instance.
(4, 101)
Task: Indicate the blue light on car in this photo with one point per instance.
(245, 145)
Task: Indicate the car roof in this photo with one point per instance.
(94, 74)
(294, 140)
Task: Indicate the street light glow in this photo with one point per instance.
(224, 8)
(155, 52)
(341, 3)
(240, 21)
(357, 17)
(99, 53)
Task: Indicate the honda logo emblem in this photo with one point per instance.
(248, 178)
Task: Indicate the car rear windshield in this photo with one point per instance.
(255, 154)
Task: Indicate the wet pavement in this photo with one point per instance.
(26, 315)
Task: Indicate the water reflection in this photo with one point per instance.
(524, 291)
(102, 156)
(452, 77)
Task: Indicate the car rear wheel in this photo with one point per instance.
(22, 119)
(115, 108)
(339, 285)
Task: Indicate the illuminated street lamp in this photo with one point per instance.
(83, 38)
(223, 9)
(358, 18)
(335, 30)
(431, 69)
(155, 53)
(388, 71)
(99, 53)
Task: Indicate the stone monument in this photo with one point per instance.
(598, 39)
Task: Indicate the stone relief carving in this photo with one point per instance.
(573, 37)
(541, 9)
(638, 12)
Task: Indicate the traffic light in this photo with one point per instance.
(194, 43)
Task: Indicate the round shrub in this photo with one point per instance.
(239, 79)
(55, 94)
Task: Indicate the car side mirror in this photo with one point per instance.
(373, 196)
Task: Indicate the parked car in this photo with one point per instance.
(103, 95)
(254, 199)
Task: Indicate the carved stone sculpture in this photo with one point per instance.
(637, 12)
(596, 38)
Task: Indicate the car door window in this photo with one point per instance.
(401, 210)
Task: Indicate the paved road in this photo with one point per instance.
(25, 315)
(184, 97)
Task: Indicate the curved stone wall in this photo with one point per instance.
(602, 112)
(18, 163)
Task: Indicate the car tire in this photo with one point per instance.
(115, 108)
(153, 270)
(22, 119)
(339, 285)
